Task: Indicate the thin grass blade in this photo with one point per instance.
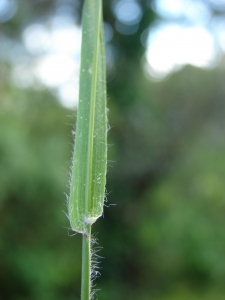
(89, 161)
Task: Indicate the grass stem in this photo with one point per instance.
(88, 180)
(86, 265)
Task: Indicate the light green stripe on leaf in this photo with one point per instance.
(89, 162)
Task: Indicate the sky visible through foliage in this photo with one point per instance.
(183, 34)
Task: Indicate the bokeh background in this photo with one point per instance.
(165, 237)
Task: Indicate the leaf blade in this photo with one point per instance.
(89, 161)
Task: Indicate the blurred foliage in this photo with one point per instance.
(164, 239)
(36, 251)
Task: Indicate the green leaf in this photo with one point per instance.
(89, 162)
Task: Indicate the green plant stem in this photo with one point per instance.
(86, 242)
(86, 265)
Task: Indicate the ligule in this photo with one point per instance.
(89, 161)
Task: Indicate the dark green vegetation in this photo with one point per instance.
(164, 240)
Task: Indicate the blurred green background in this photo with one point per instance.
(164, 239)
